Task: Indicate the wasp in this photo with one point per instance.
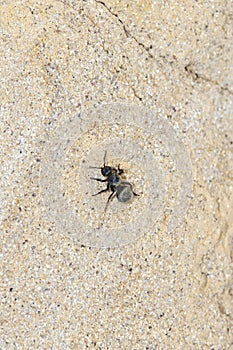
(119, 188)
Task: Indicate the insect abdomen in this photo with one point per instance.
(124, 192)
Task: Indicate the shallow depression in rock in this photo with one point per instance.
(154, 162)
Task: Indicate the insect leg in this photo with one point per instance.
(100, 180)
(112, 195)
(120, 171)
(102, 191)
(136, 194)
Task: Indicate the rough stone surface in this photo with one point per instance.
(168, 289)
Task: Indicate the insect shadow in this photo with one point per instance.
(121, 189)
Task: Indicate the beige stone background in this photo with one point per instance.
(168, 290)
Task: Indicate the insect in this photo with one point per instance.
(123, 190)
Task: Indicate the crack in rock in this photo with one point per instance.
(127, 33)
(198, 77)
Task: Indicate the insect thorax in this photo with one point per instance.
(114, 179)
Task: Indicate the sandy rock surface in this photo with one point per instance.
(151, 83)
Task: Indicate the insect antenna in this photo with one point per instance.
(100, 167)
(105, 155)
